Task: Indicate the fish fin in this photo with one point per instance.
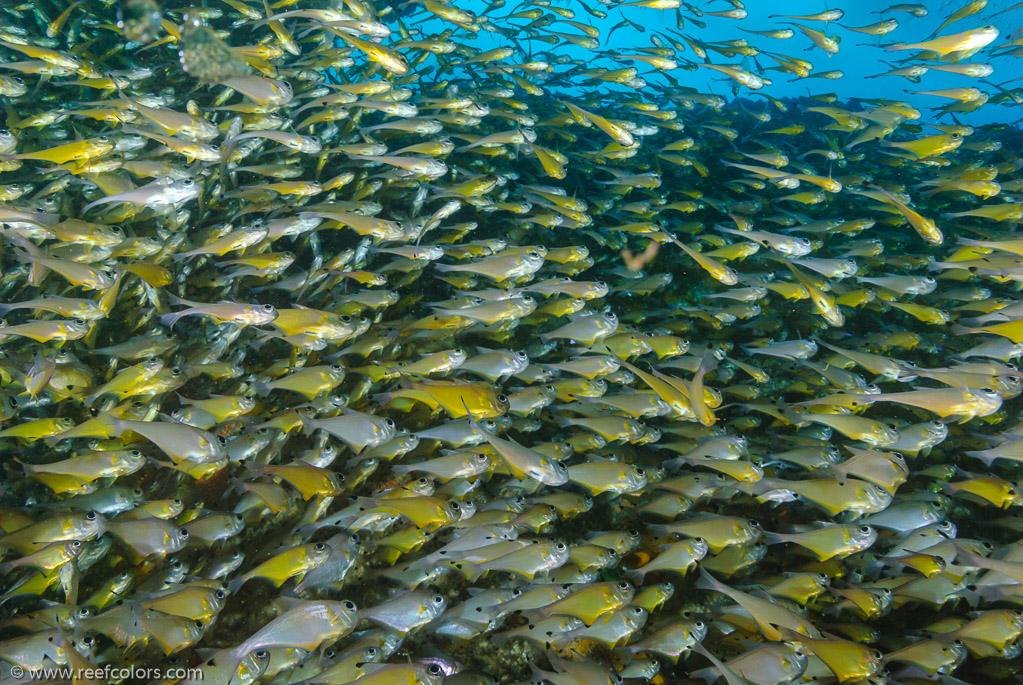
(307, 427)
(169, 320)
(707, 582)
(29, 468)
(30, 254)
(262, 389)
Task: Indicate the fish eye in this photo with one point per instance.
(521, 355)
(957, 643)
(198, 624)
(988, 391)
(176, 371)
(455, 506)
(20, 81)
(640, 472)
(183, 532)
(103, 139)
(219, 594)
(221, 439)
(864, 529)
(188, 182)
(389, 423)
(350, 605)
(434, 669)
(345, 318)
(78, 322)
(753, 523)
(262, 654)
(319, 547)
(560, 547)
(91, 516)
(136, 453)
(622, 585)
(698, 624)
(878, 655)
(437, 599)
(268, 307)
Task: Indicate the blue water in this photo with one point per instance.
(859, 56)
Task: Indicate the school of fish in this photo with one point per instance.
(348, 341)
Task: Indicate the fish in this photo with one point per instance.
(964, 42)
(333, 330)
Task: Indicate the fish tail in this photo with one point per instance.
(308, 425)
(472, 572)
(174, 299)
(262, 388)
(112, 422)
(708, 582)
(983, 456)
(708, 675)
(29, 468)
(30, 254)
(636, 576)
(169, 320)
(92, 204)
(255, 469)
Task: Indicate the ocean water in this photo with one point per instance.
(860, 57)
